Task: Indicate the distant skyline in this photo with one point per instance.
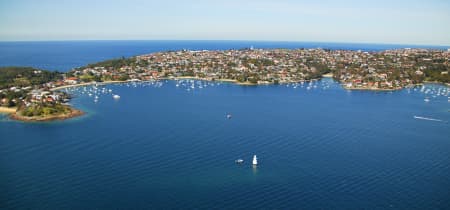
(392, 22)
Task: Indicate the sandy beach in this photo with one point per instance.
(69, 86)
(329, 75)
(86, 84)
(226, 80)
(180, 78)
(8, 110)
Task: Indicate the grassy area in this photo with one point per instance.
(42, 110)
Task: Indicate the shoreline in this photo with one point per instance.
(86, 84)
(73, 113)
(8, 110)
(226, 80)
(436, 83)
(329, 75)
(372, 89)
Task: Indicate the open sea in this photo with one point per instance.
(169, 144)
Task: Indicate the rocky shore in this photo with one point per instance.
(73, 113)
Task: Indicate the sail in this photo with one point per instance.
(255, 160)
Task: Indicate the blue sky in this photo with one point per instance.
(382, 21)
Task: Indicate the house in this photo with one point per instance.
(4, 101)
(71, 80)
(154, 74)
(418, 72)
(383, 76)
(50, 99)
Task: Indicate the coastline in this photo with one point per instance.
(329, 75)
(371, 89)
(208, 79)
(86, 84)
(8, 110)
(436, 82)
(73, 113)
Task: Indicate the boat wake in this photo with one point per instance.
(429, 119)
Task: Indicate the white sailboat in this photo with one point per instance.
(255, 160)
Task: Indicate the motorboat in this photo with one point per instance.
(239, 161)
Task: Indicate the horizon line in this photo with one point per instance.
(231, 40)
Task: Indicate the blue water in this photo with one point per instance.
(65, 55)
(166, 147)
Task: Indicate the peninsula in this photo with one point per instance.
(25, 95)
(36, 95)
(390, 69)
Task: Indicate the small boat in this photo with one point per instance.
(239, 161)
(427, 118)
(426, 100)
(228, 116)
(116, 96)
(255, 160)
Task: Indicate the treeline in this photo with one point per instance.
(434, 73)
(113, 63)
(320, 69)
(25, 76)
(10, 96)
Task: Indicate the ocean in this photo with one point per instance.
(166, 145)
